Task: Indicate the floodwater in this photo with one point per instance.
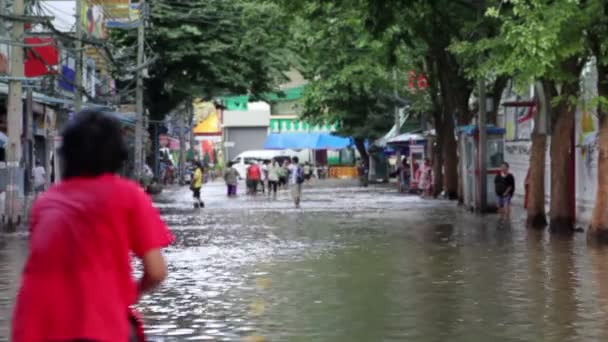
(359, 265)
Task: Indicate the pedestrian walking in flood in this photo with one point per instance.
(254, 175)
(264, 180)
(425, 181)
(307, 171)
(296, 173)
(284, 175)
(197, 184)
(273, 178)
(77, 283)
(231, 176)
(504, 185)
(39, 174)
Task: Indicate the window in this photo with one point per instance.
(495, 153)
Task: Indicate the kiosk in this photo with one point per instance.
(469, 167)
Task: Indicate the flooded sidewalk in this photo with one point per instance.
(358, 264)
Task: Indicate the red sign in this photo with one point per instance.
(41, 57)
(416, 81)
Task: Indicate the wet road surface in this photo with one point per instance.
(359, 265)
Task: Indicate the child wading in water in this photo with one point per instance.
(197, 184)
(504, 185)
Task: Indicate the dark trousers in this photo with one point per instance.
(272, 187)
(196, 193)
(231, 190)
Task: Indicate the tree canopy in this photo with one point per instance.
(210, 48)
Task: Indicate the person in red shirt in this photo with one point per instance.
(77, 282)
(254, 175)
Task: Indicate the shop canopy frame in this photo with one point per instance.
(299, 141)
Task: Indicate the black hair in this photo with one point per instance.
(505, 164)
(93, 144)
(295, 160)
(230, 164)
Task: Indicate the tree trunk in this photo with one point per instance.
(562, 171)
(599, 221)
(450, 158)
(360, 146)
(437, 166)
(497, 89)
(537, 217)
(598, 232)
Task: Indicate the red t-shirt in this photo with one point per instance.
(77, 282)
(254, 172)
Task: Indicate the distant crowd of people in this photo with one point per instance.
(270, 176)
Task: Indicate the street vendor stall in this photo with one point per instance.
(412, 147)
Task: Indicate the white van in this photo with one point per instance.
(244, 159)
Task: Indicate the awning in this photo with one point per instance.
(473, 129)
(297, 141)
(406, 138)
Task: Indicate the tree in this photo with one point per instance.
(431, 26)
(543, 40)
(210, 48)
(350, 75)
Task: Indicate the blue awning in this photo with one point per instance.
(297, 141)
(473, 129)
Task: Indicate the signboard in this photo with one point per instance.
(116, 9)
(4, 59)
(229, 144)
(297, 126)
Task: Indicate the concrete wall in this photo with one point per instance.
(257, 115)
(245, 138)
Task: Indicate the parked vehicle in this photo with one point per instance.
(244, 159)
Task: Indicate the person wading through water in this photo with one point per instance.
(504, 185)
(297, 178)
(274, 171)
(197, 185)
(77, 283)
(231, 176)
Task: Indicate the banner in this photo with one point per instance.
(93, 20)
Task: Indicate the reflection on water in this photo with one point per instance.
(361, 265)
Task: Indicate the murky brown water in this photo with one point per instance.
(360, 265)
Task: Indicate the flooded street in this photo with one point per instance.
(359, 265)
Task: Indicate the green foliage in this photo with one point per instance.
(534, 39)
(349, 69)
(208, 48)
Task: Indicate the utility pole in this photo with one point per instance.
(79, 58)
(2, 11)
(139, 95)
(483, 174)
(29, 139)
(14, 119)
(397, 117)
(182, 141)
